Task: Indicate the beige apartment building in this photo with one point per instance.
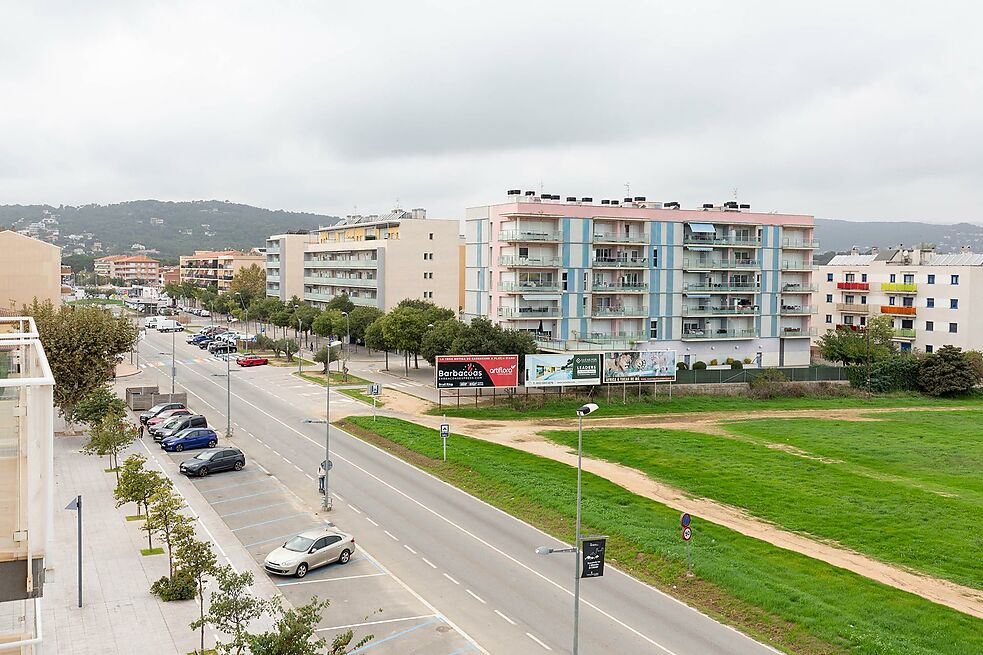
(376, 261)
(208, 267)
(933, 300)
(129, 268)
(29, 269)
(285, 265)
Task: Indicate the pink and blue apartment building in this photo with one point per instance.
(715, 282)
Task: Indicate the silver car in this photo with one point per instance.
(309, 550)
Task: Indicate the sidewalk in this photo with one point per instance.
(119, 615)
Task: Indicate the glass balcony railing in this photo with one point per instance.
(619, 287)
(529, 312)
(532, 262)
(701, 310)
(689, 335)
(615, 312)
(528, 287)
(528, 235)
(721, 287)
(718, 264)
(620, 238)
(797, 310)
(741, 242)
(904, 333)
(790, 332)
(612, 262)
(800, 243)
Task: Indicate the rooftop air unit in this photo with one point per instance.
(627, 200)
(515, 192)
(586, 200)
(571, 198)
(605, 202)
(671, 205)
(707, 205)
(745, 206)
(530, 193)
(639, 198)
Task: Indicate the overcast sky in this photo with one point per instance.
(853, 110)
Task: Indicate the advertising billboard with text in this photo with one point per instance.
(477, 371)
(563, 370)
(640, 366)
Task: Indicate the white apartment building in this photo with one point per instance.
(933, 299)
(26, 481)
(716, 282)
(376, 261)
(129, 268)
(207, 267)
(285, 265)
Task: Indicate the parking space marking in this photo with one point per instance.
(409, 549)
(428, 563)
(476, 597)
(505, 617)
(359, 625)
(253, 509)
(266, 541)
(451, 579)
(346, 577)
(229, 500)
(281, 518)
(533, 637)
(230, 486)
(391, 535)
(399, 634)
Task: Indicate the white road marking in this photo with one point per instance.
(533, 637)
(409, 549)
(298, 468)
(357, 625)
(371, 521)
(391, 535)
(347, 577)
(505, 617)
(451, 579)
(428, 563)
(476, 597)
(277, 454)
(354, 509)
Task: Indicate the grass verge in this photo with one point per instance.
(544, 407)
(358, 394)
(151, 551)
(833, 488)
(337, 379)
(788, 600)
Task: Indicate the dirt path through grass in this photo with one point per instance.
(524, 435)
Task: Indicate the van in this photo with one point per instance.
(151, 322)
(175, 425)
(169, 325)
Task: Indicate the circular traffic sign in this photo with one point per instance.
(687, 533)
(684, 520)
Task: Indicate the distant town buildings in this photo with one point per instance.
(170, 274)
(209, 267)
(712, 283)
(285, 255)
(29, 269)
(930, 297)
(129, 268)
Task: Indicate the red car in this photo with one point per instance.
(169, 414)
(251, 360)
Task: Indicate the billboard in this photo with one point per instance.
(477, 371)
(563, 370)
(640, 366)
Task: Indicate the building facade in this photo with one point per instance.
(129, 268)
(714, 283)
(931, 298)
(377, 261)
(285, 265)
(170, 274)
(208, 267)
(29, 269)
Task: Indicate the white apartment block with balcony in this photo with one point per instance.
(934, 300)
(710, 283)
(377, 261)
(217, 268)
(26, 481)
(285, 265)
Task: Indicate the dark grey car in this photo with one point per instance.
(214, 460)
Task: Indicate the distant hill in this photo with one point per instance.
(172, 228)
(843, 235)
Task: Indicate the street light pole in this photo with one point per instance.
(300, 360)
(326, 501)
(581, 413)
(173, 366)
(228, 396)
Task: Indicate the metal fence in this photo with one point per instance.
(794, 374)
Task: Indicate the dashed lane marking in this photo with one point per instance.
(505, 617)
(534, 638)
(476, 597)
(451, 579)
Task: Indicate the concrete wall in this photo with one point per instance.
(424, 246)
(29, 269)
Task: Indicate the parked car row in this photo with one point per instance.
(222, 341)
(177, 429)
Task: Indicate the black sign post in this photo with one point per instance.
(592, 554)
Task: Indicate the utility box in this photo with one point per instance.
(157, 398)
(141, 398)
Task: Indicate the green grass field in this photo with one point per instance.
(566, 407)
(907, 490)
(337, 379)
(358, 394)
(791, 601)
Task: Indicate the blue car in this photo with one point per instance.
(190, 438)
(198, 338)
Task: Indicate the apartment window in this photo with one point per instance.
(929, 326)
(863, 300)
(863, 320)
(953, 328)
(563, 281)
(655, 259)
(890, 300)
(829, 277)
(929, 349)
(909, 278)
(907, 324)
(953, 303)
(848, 319)
(931, 280)
(848, 299)
(523, 252)
(653, 329)
(894, 278)
(829, 318)
(863, 277)
(955, 279)
(829, 297)
(930, 302)
(430, 236)
(850, 277)
(907, 302)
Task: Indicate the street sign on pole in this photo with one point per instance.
(684, 520)
(374, 389)
(592, 553)
(687, 535)
(445, 431)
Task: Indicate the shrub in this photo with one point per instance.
(729, 361)
(699, 366)
(772, 383)
(736, 364)
(182, 587)
(748, 360)
(682, 366)
(713, 362)
(947, 372)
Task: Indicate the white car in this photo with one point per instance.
(309, 550)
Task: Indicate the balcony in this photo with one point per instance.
(904, 333)
(899, 311)
(524, 235)
(696, 335)
(514, 261)
(797, 310)
(799, 288)
(718, 264)
(361, 301)
(341, 263)
(853, 286)
(804, 244)
(617, 287)
(899, 288)
(605, 262)
(793, 332)
(751, 310)
(739, 242)
(364, 282)
(528, 287)
(620, 238)
(618, 312)
(852, 308)
(529, 312)
(797, 266)
(721, 288)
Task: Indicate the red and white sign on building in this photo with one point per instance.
(477, 371)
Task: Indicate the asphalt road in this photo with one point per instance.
(457, 575)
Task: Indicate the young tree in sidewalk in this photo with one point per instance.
(98, 403)
(375, 338)
(325, 356)
(138, 485)
(289, 347)
(232, 607)
(195, 557)
(109, 437)
(167, 520)
(295, 632)
(250, 281)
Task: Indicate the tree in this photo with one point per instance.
(81, 344)
(360, 318)
(325, 356)
(281, 318)
(304, 316)
(375, 337)
(99, 402)
(109, 436)
(295, 632)
(166, 519)
(340, 303)
(196, 558)
(438, 341)
(137, 485)
(250, 281)
(289, 347)
(329, 322)
(232, 607)
(947, 372)
(871, 343)
(404, 328)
